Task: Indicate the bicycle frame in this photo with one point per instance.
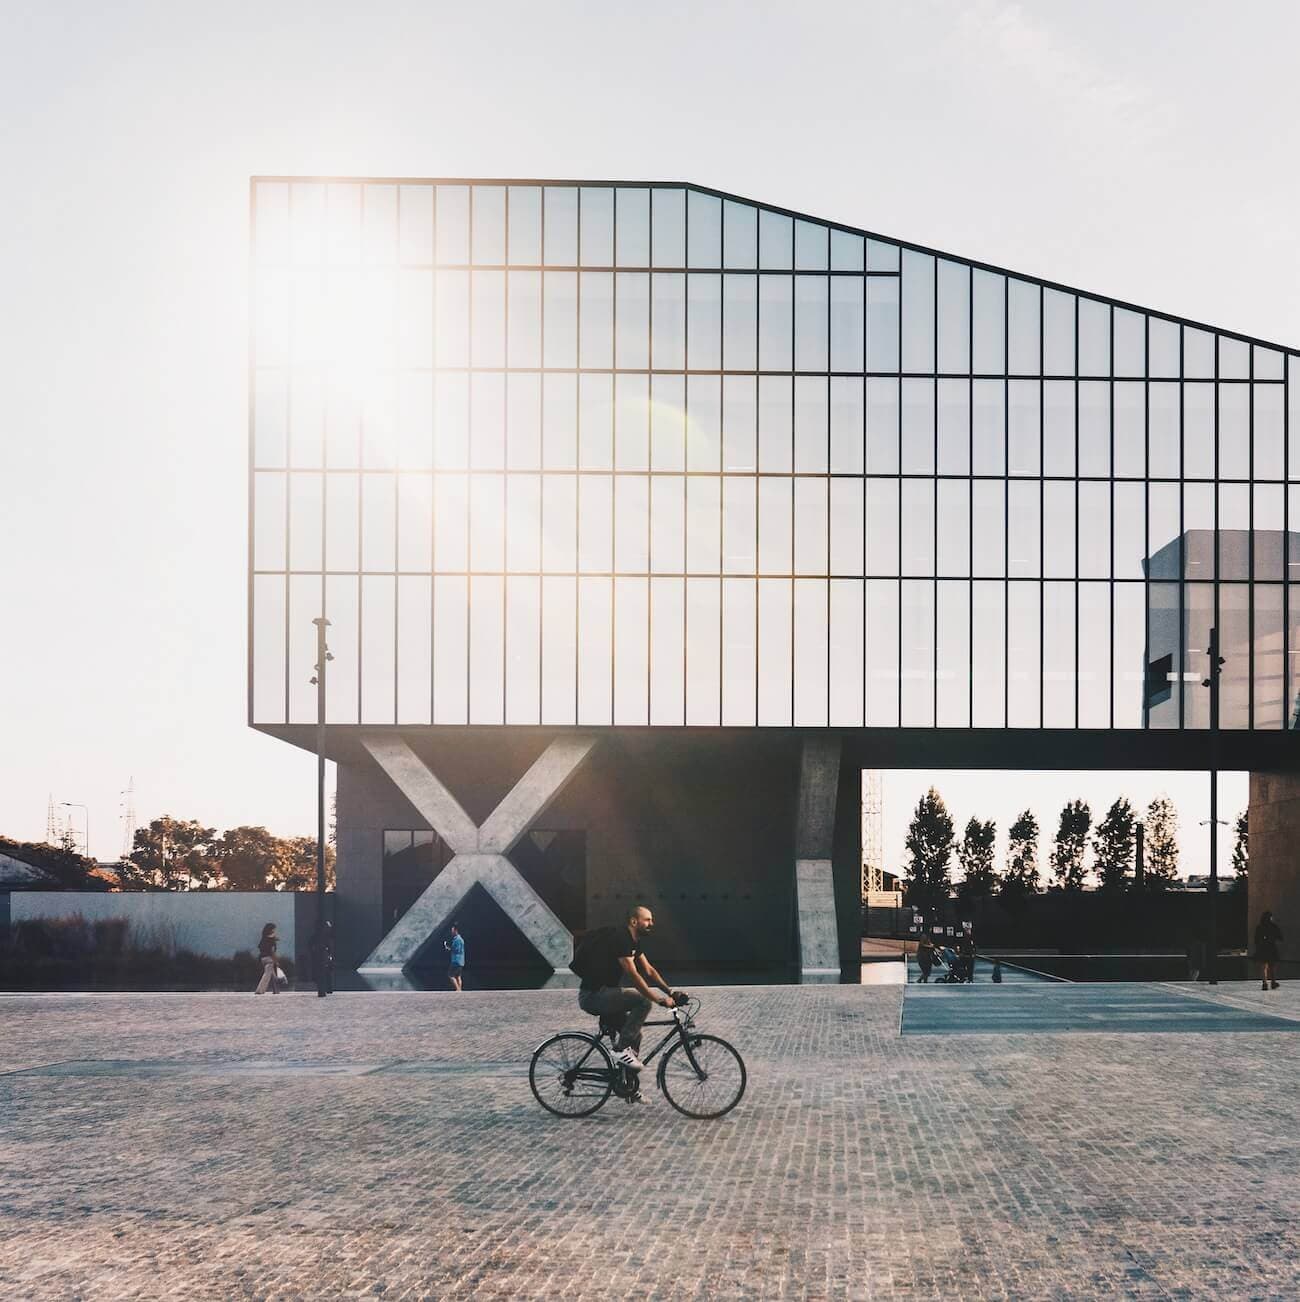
(678, 1031)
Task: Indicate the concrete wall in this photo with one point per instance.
(213, 923)
(1274, 881)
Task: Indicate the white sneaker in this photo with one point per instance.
(627, 1058)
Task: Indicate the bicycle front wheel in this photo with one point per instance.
(703, 1077)
(571, 1074)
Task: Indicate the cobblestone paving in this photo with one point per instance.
(387, 1146)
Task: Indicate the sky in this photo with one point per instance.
(1145, 152)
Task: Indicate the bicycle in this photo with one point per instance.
(573, 1074)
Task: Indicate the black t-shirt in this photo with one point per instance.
(606, 946)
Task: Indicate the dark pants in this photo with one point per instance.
(609, 1001)
(925, 970)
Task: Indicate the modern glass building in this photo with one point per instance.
(614, 461)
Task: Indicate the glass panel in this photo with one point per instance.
(342, 521)
(268, 648)
(668, 321)
(882, 323)
(595, 650)
(667, 524)
(1293, 418)
(1094, 655)
(560, 320)
(1130, 342)
(1058, 332)
(810, 424)
(596, 422)
(560, 422)
(918, 655)
(882, 526)
(1058, 427)
(988, 655)
(1198, 354)
(954, 317)
(270, 418)
(703, 524)
(1234, 640)
(1234, 531)
(847, 664)
(1163, 434)
(989, 347)
(1268, 363)
(847, 337)
(452, 224)
(414, 420)
(378, 224)
(489, 223)
(1268, 437)
(740, 323)
(525, 317)
(811, 652)
(810, 526)
(774, 652)
(595, 523)
(451, 649)
(1234, 431)
(378, 511)
(988, 427)
(988, 505)
(918, 312)
(775, 420)
(559, 649)
(811, 323)
(559, 523)
(846, 425)
(739, 524)
(881, 256)
(668, 228)
(1058, 655)
(1234, 359)
(1094, 531)
(704, 322)
(487, 523)
(1199, 509)
(1024, 435)
(775, 241)
(1024, 682)
(704, 230)
(631, 524)
(847, 251)
(739, 651)
(1128, 652)
(1163, 343)
(1130, 430)
(452, 339)
(1094, 337)
(847, 526)
(1130, 523)
(740, 234)
(1094, 428)
(952, 655)
(596, 319)
(954, 427)
(524, 446)
(488, 337)
(703, 651)
(1024, 526)
(631, 651)
(1269, 660)
(632, 228)
(918, 426)
(775, 543)
(882, 654)
(597, 227)
(414, 650)
(739, 422)
(1293, 660)
(487, 651)
(523, 521)
(882, 426)
(1023, 328)
(415, 518)
(704, 423)
(810, 246)
(918, 540)
(631, 320)
(270, 492)
(954, 540)
(1058, 529)
(775, 314)
(525, 245)
(1267, 533)
(1198, 431)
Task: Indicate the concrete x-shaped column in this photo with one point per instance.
(479, 853)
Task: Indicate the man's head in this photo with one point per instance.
(455, 928)
(640, 921)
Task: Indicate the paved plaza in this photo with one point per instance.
(387, 1145)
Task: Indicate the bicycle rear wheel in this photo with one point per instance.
(571, 1074)
(705, 1082)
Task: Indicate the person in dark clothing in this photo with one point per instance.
(606, 956)
(924, 958)
(322, 953)
(997, 971)
(966, 951)
(1268, 936)
(266, 948)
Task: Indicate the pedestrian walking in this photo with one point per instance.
(266, 948)
(924, 958)
(997, 971)
(455, 948)
(322, 953)
(1268, 936)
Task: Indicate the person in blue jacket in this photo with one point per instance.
(455, 947)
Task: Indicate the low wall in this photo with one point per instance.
(213, 923)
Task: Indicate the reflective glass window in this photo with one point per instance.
(1130, 342)
(1163, 344)
(882, 426)
(1094, 428)
(882, 687)
(488, 309)
(1129, 515)
(847, 537)
(954, 520)
(704, 322)
(452, 224)
(1058, 332)
(775, 526)
(918, 311)
(1198, 431)
(596, 226)
(740, 323)
(1268, 431)
(739, 234)
(525, 242)
(1130, 430)
(559, 649)
(1198, 354)
(988, 658)
(988, 426)
(739, 422)
(988, 532)
(775, 650)
(631, 523)
(1268, 363)
(1058, 529)
(667, 524)
(739, 524)
(882, 323)
(1058, 655)
(451, 650)
(1024, 429)
(775, 241)
(1094, 655)
(704, 423)
(811, 324)
(775, 424)
(703, 524)
(918, 539)
(488, 204)
(1234, 531)
(954, 317)
(1023, 306)
(882, 526)
(952, 655)
(847, 654)
(668, 228)
(668, 321)
(811, 249)
(667, 633)
(918, 652)
(811, 424)
(954, 427)
(1094, 531)
(776, 323)
(882, 256)
(1234, 359)
(1128, 653)
(631, 228)
(811, 526)
(524, 312)
(559, 319)
(703, 230)
(1094, 337)
(1267, 526)
(596, 422)
(739, 651)
(632, 422)
(1164, 433)
(847, 322)
(1269, 660)
(989, 305)
(667, 422)
(1024, 524)
(1058, 427)
(560, 422)
(918, 426)
(631, 650)
(846, 399)
(848, 251)
(596, 319)
(1024, 675)
(703, 651)
(1234, 431)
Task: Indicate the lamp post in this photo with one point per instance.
(72, 804)
(323, 657)
(1212, 682)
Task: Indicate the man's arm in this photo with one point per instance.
(629, 966)
(652, 975)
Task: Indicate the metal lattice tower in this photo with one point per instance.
(128, 819)
(52, 833)
(873, 850)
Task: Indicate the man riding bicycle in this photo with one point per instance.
(604, 958)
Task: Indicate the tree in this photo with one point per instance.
(1112, 846)
(1160, 840)
(249, 858)
(296, 866)
(1241, 850)
(1021, 876)
(975, 854)
(1070, 845)
(173, 854)
(72, 871)
(929, 848)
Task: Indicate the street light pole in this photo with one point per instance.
(1212, 682)
(323, 657)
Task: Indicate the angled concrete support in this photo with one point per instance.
(479, 852)
(819, 771)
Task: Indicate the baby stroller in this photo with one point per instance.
(954, 971)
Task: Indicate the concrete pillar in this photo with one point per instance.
(1274, 881)
(819, 771)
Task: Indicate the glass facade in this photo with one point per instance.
(650, 455)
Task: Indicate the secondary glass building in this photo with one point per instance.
(620, 455)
